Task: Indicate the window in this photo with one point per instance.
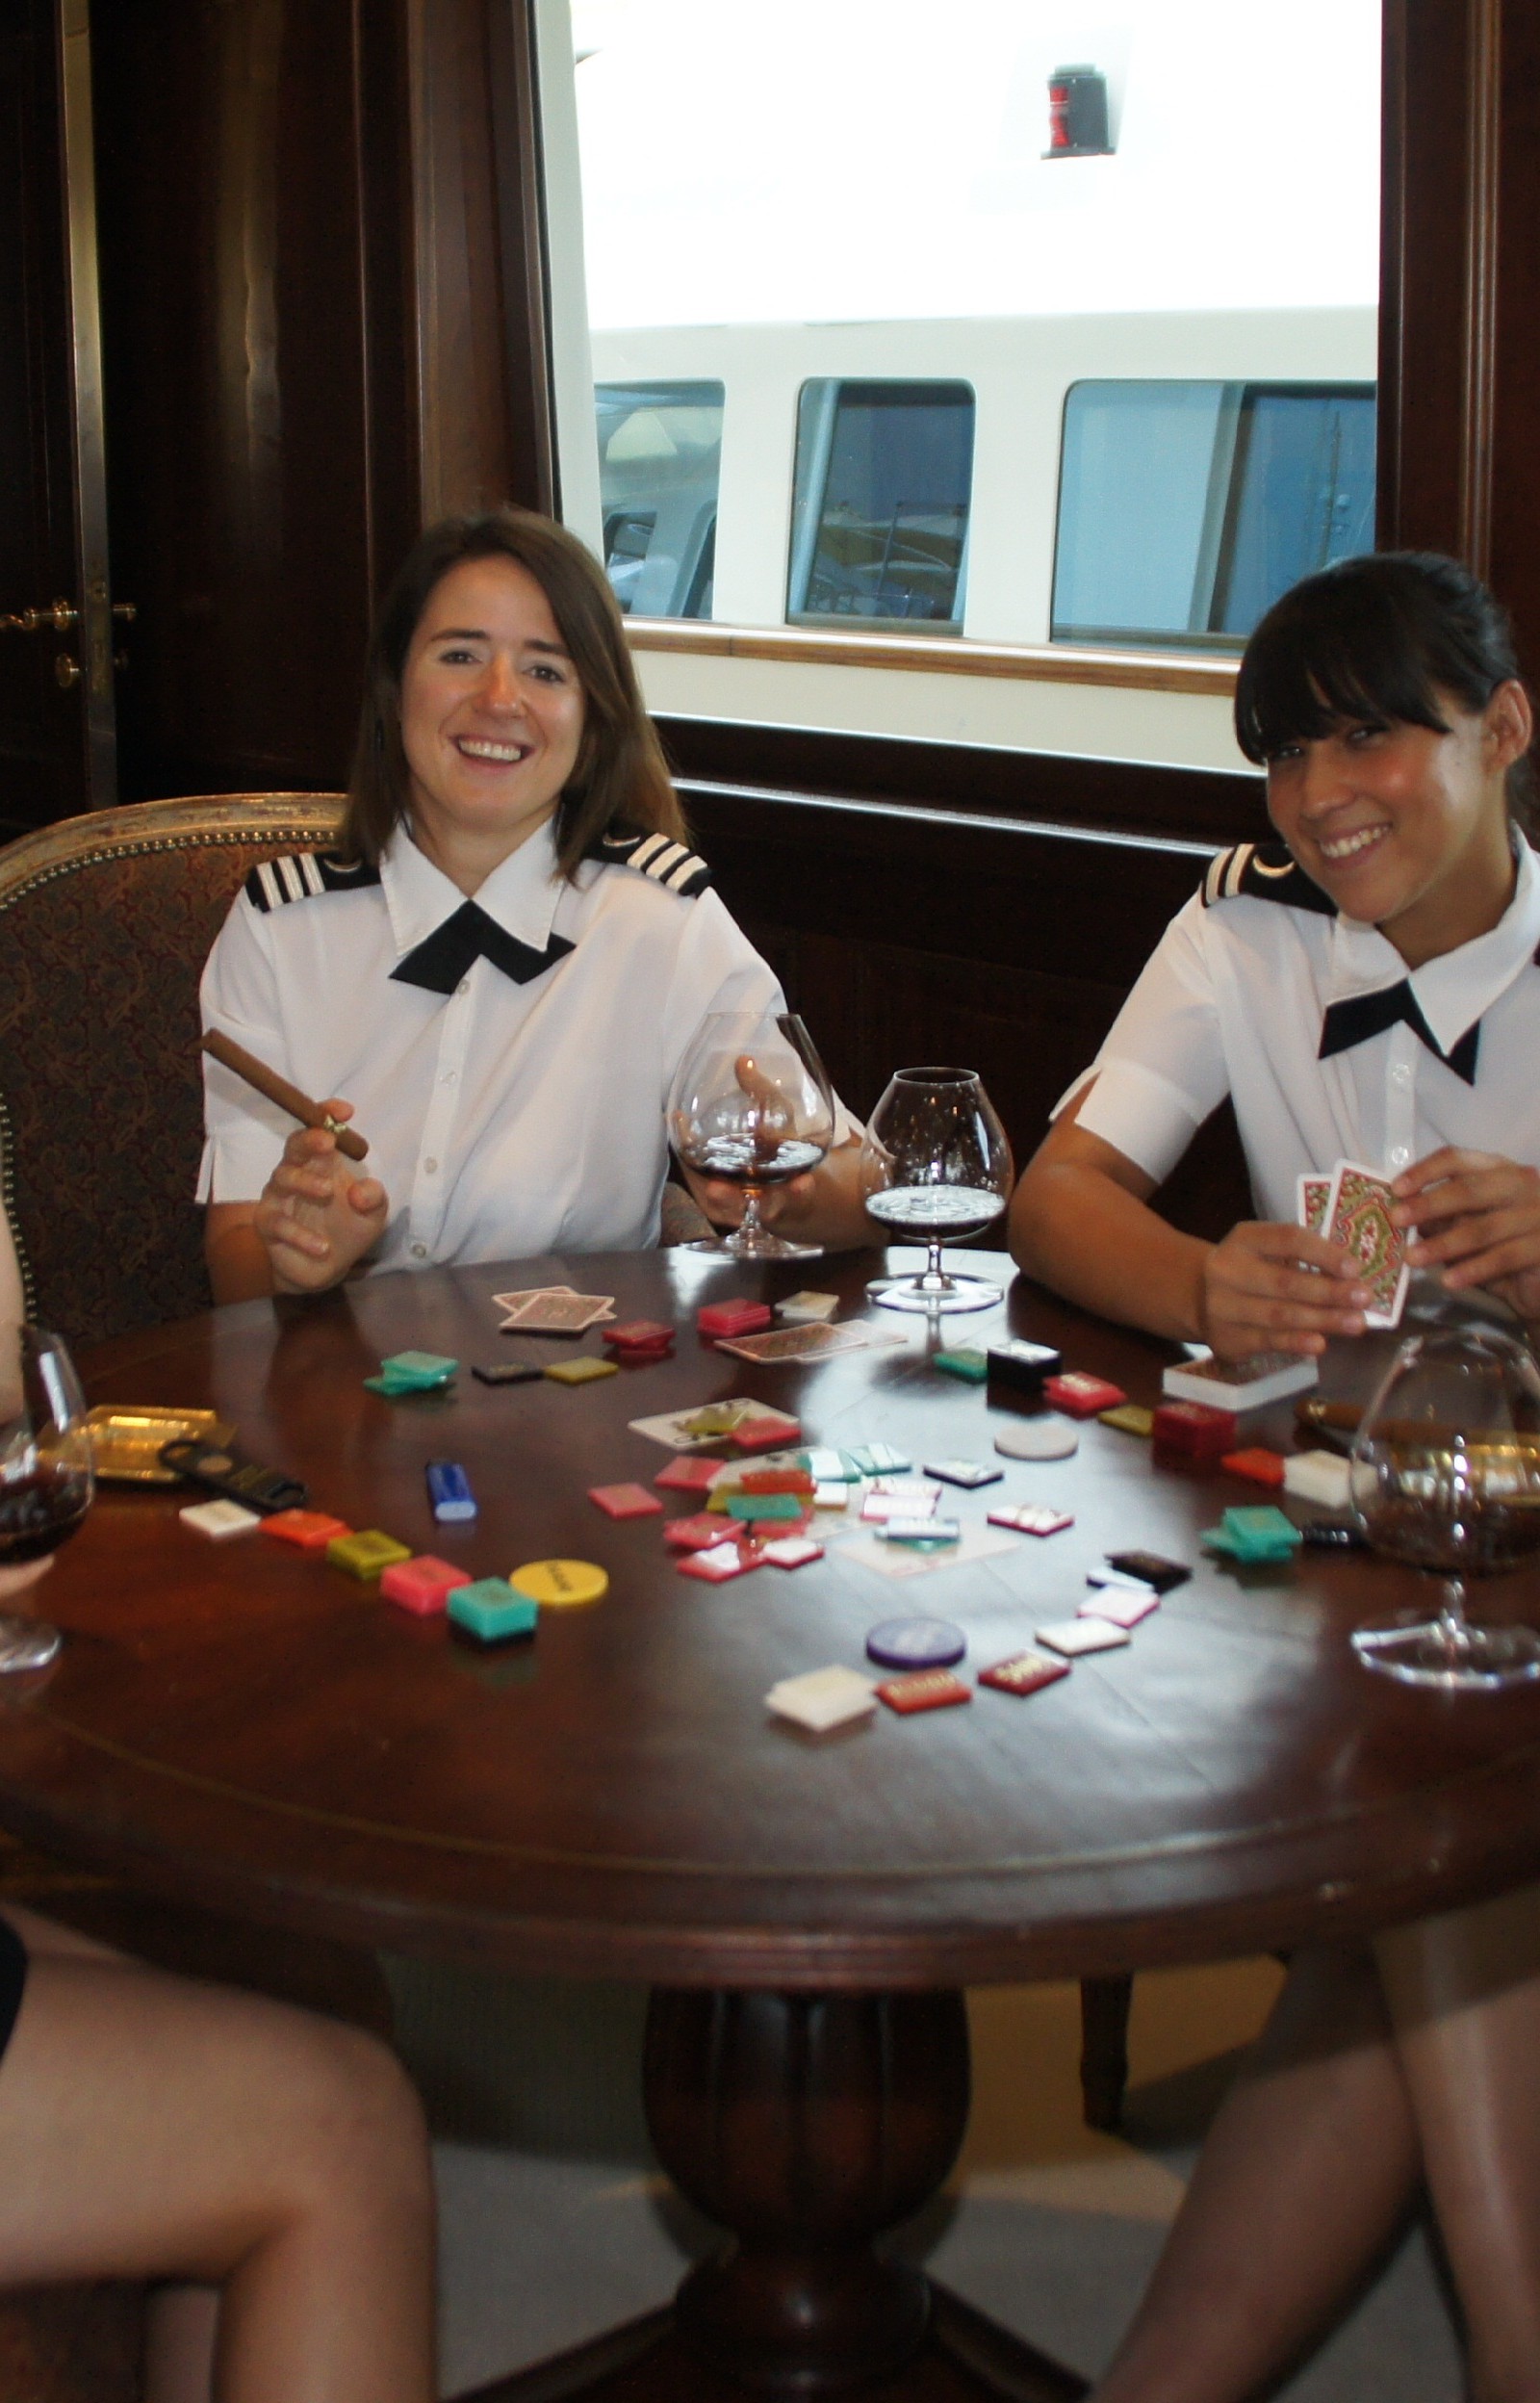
(659, 463)
(879, 502)
(1184, 509)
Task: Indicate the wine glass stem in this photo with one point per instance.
(750, 1225)
(1451, 1623)
(934, 1278)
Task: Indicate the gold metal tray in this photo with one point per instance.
(126, 1442)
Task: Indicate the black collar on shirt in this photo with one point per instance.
(439, 963)
(1364, 1015)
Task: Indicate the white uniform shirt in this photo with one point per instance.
(1233, 1000)
(503, 1118)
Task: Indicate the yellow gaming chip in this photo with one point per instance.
(560, 1585)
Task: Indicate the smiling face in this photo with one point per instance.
(1405, 827)
(492, 717)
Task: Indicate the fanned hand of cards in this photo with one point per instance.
(1352, 1206)
(552, 1310)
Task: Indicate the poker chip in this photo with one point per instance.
(1036, 1439)
(925, 1690)
(915, 1643)
(561, 1585)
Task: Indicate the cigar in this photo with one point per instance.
(266, 1080)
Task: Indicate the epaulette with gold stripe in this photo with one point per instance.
(658, 855)
(1263, 871)
(303, 875)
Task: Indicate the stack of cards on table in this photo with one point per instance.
(1231, 1386)
(1352, 1206)
(412, 1372)
(552, 1310)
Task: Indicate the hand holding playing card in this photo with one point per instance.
(1478, 1219)
(1270, 1288)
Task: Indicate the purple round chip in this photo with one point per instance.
(915, 1643)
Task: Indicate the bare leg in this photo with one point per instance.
(150, 2127)
(1308, 2167)
(1464, 1996)
(181, 2335)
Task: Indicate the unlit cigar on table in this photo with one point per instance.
(266, 1080)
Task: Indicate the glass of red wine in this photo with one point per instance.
(936, 1168)
(750, 1106)
(46, 1480)
(1446, 1478)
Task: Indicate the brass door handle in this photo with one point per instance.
(126, 611)
(67, 671)
(58, 619)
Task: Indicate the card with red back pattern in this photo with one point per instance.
(923, 1690)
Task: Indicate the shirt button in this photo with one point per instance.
(1399, 1157)
(1401, 1073)
(448, 1076)
(420, 1251)
(464, 985)
(431, 1167)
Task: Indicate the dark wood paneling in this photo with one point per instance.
(1007, 948)
(42, 754)
(241, 233)
(1205, 804)
(1460, 397)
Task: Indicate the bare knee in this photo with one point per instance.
(355, 2122)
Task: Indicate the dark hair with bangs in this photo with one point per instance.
(620, 777)
(1375, 641)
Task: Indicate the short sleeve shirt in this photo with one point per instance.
(504, 1119)
(1233, 1002)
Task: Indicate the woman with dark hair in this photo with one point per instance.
(1366, 988)
(503, 965)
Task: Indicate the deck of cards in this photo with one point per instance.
(552, 1310)
(1352, 1206)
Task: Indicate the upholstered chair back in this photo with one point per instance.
(105, 923)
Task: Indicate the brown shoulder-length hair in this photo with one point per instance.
(620, 777)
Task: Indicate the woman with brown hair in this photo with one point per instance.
(504, 964)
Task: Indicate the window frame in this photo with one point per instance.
(1458, 405)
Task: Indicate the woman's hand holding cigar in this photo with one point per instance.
(314, 1218)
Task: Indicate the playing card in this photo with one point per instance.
(1358, 1215)
(1313, 1196)
(801, 1343)
(902, 1559)
(708, 1423)
(529, 1293)
(558, 1313)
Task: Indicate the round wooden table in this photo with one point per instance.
(238, 1725)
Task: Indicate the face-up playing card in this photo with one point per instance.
(1358, 1215)
(1313, 1198)
(708, 1424)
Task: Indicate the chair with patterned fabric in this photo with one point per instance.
(105, 923)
